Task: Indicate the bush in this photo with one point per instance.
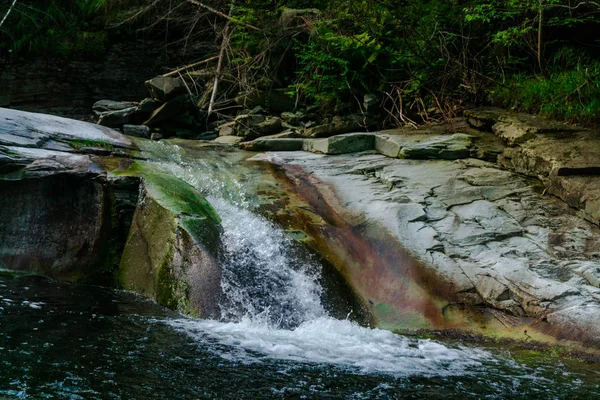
(571, 95)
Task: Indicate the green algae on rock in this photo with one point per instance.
(170, 254)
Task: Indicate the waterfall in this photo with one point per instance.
(272, 297)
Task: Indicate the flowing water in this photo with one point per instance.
(278, 336)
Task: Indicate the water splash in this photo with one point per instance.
(340, 343)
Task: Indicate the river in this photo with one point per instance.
(279, 334)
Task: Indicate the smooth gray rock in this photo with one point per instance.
(228, 140)
(227, 129)
(24, 129)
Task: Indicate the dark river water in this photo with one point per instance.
(63, 341)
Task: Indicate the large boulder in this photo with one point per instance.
(514, 128)
(61, 216)
(566, 158)
(170, 254)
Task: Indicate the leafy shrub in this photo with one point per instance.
(572, 94)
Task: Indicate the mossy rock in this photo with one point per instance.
(170, 254)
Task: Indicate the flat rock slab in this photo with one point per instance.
(110, 105)
(424, 146)
(228, 140)
(283, 144)
(514, 128)
(341, 144)
(561, 153)
(487, 231)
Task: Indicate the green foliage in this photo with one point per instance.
(571, 94)
(59, 27)
(535, 55)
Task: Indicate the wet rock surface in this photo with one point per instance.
(488, 232)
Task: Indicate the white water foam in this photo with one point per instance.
(336, 342)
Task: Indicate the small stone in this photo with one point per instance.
(165, 88)
(226, 129)
(248, 127)
(156, 136)
(250, 120)
(231, 140)
(116, 119)
(110, 105)
(137, 130)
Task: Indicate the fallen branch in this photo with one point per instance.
(178, 70)
(220, 14)
(8, 12)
